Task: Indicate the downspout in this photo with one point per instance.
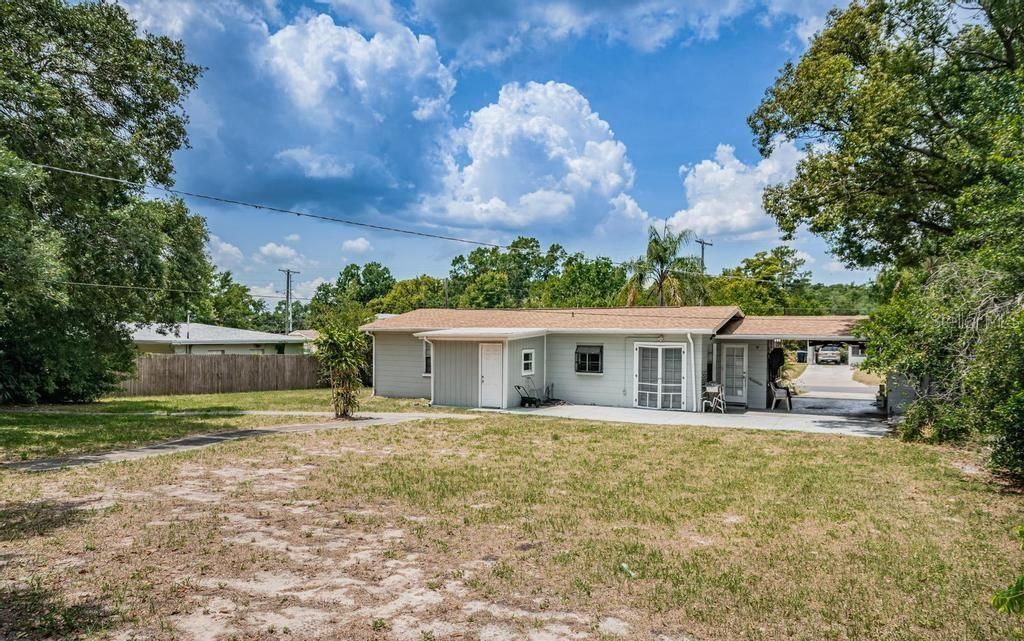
(693, 371)
(373, 365)
(544, 389)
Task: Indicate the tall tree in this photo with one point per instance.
(903, 106)
(662, 276)
(414, 293)
(583, 282)
(766, 283)
(911, 116)
(231, 304)
(80, 89)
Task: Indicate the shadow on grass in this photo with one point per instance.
(36, 518)
(30, 436)
(128, 405)
(33, 611)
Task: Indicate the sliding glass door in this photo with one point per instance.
(660, 376)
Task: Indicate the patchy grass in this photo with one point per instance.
(866, 378)
(506, 525)
(308, 400)
(794, 370)
(30, 435)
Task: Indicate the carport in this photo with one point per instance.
(745, 357)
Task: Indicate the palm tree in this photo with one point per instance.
(662, 275)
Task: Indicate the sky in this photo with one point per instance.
(580, 122)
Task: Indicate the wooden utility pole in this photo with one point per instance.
(288, 295)
(703, 243)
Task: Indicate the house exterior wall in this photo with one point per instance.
(757, 374)
(757, 370)
(898, 394)
(398, 366)
(456, 366)
(230, 348)
(154, 348)
(515, 368)
(615, 386)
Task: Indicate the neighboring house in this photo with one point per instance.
(199, 338)
(310, 335)
(653, 357)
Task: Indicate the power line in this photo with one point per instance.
(174, 290)
(397, 230)
(271, 208)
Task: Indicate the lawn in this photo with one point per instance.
(58, 430)
(25, 436)
(505, 526)
(794, 370)
(306, 400)
(866, 378)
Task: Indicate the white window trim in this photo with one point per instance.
(533, 362)
(423, 364)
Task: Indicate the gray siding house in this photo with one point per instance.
(199, 338)
(649, 357)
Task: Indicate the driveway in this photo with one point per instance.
(852, 423)
(833, 381)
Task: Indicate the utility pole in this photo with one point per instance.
(703, 243)
(288, 295)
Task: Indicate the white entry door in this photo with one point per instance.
(490, 375)
(659, 374)
(735, 378)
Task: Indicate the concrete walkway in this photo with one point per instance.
(205, 440)
(833, 381)
(853, 423)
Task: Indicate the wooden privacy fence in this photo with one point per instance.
(216, 373)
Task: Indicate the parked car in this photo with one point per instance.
(830, 354)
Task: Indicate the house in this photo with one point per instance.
(651, 357)
(310, 335)
(199, 338)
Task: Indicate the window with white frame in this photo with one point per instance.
(529, 361)
(428, 353)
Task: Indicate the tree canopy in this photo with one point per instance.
(80, 89)
(912, 117)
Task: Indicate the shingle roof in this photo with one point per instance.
(202, 334)
(793, 327)
(697, 319)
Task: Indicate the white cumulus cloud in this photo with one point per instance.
(316, 165)
(223, 254)
(488, 32)
(281, 255)
(335, 72)
(540, 153)
(723, 194)
(356, 246)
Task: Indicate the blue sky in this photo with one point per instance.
(579, 122)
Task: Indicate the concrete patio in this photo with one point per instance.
(853, 418)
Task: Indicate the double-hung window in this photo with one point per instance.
(428, 354)
(529, 361)
(590, 359)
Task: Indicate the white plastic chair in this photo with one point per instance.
(781, 393)
(713, 398)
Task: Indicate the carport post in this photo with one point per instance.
(810, 353)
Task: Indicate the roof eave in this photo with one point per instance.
(789, 337)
